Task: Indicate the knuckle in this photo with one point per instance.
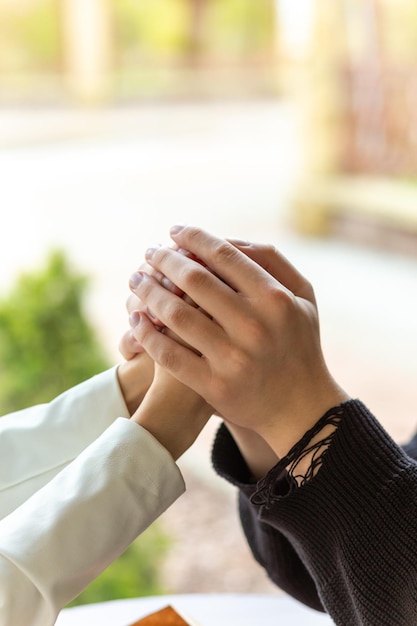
(195, 278)
(178, 315)
(168, 359)
(193, 234)
(269, 250)
(160, 256)
(280, 298)
(224, 252)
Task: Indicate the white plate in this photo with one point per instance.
(206, 609)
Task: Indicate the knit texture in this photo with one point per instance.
(346, 541)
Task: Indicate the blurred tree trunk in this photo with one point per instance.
(88, 47)
(197, 13)
(323, 95)
(322, 104)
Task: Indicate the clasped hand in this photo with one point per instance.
(251, 346)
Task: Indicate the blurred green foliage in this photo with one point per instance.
(149, 30)
(157, 28)
(46, 346)
(135, 573)
(240, 28)
(29, 37)
(46, 343)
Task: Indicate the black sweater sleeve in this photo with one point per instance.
(346, 541)
(411, 447)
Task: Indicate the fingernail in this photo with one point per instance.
(149, 253)
(239, 242)
(184, 252)
(134, 318)
(152, 316)
(135, 280)
(176, 229)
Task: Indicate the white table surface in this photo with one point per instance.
(206, 609)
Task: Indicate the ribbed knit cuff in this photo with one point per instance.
(229, 463)
(358, 442)
(352, 526)
(411, 447)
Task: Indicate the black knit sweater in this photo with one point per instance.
(346, 541)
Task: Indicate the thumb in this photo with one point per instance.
(276, 264)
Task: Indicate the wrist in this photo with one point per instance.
(135, 377)
(174, 415)
(302, 415)
(257, 453)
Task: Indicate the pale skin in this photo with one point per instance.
(255, 355)
(172, 413)
(135, 377)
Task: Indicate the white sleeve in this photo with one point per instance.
(75, 526)
(38, 442)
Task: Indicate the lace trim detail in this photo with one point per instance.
(266, 492)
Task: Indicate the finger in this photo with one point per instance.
(133, 303)
(190, 324)
(168, 284)
(129, 347)
(177, 359)
(206, 290)
(276, 264)
(163, 280)
(225, 260)
(145, 267)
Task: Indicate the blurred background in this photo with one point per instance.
(280, 121)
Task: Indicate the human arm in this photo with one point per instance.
(345, 540)
(38, 442)
(60, 539)
(172, 413)
(411, 447)
(70, 530)
(256, 453)
(268, 544)
(352, 528)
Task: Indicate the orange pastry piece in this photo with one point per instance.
(165, 617)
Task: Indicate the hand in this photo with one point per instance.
(129, 347)
(135, 377)
(172, 413)
(261, 364)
